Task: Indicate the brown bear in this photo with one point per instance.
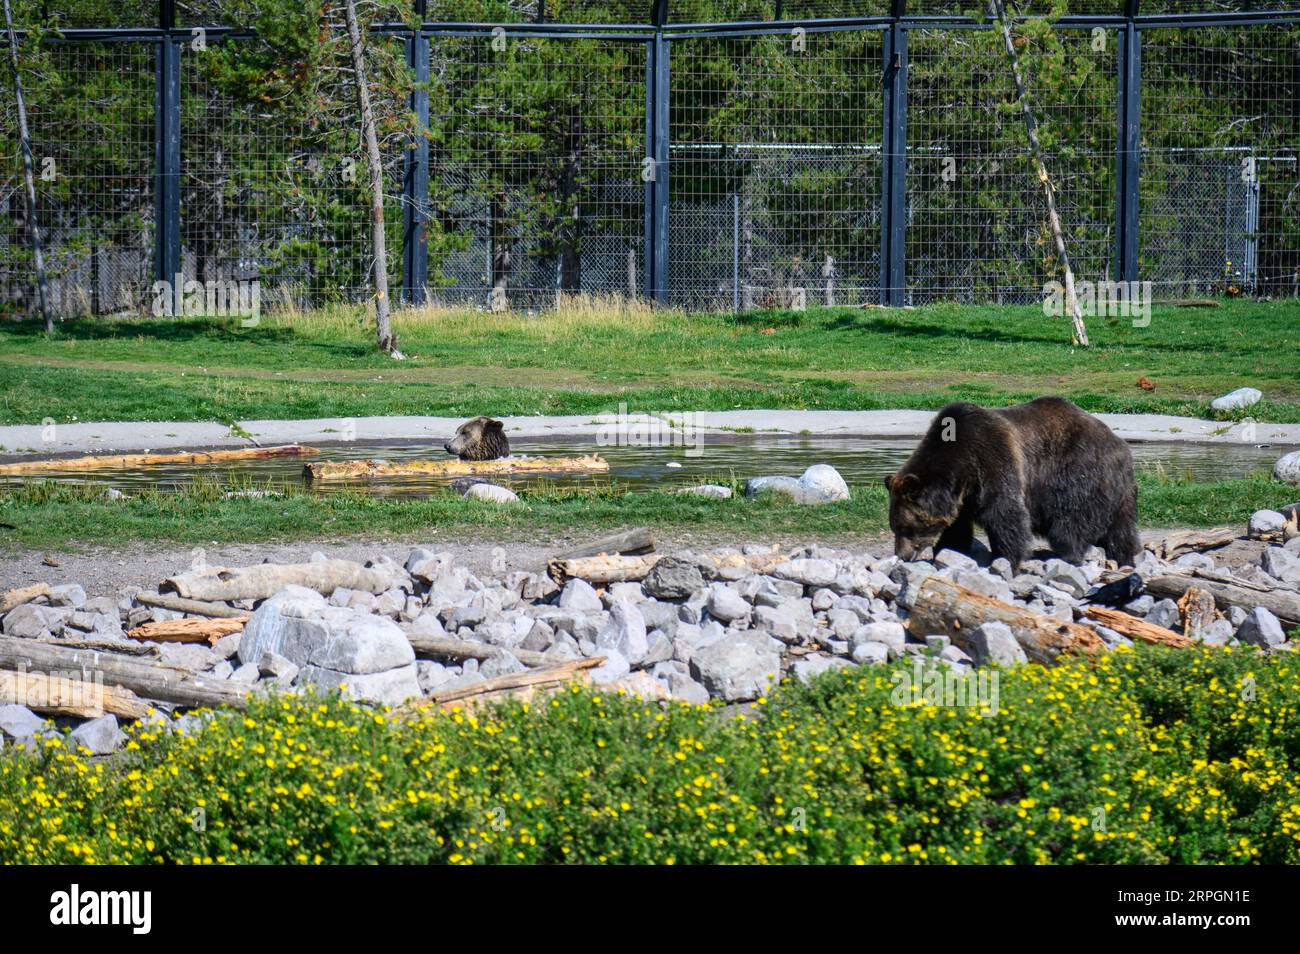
(480, 438)
(1045, 467)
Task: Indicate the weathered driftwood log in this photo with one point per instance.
(461, 649)
(188, 630)
(639, 540)
(942, 607)
(1197, 611)
(533, 679)
(126, 461)
(452, 467)
(1282, 603)
(194, 607)
(1135, 628)
(57, 695)
(1179, 542)
(24, 594)
(223, 583)
(615, 569)
(151, 680)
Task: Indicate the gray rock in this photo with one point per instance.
(632, 592)
(1266, 522)
(780, 622)
(308, 632)
(737, 668)
(1287, 468)
(870, 654)
(822, 483)
(492, 493)
(1218, 633)
(432, 676)
(824, 599)
(540, 637)
(100, 736)
(726, 604)
(938, 642)
(1164, 613)
(660, 616)
(614, 667)
(660, 648)
(716, 491)
(501, 665)
(19, 722)
(193, 656)
(391, 687)
(1237, 400)
(954, 560)
(810, 667)
(673, 578)
(68, 594)
(1067, 577)
(246, 675)
(993, 643)
(222, 670)
(227, 646)
(1140, 606)
(1281, 564)
(625, 632)
(579, 596)
(890, 635)
(275, 665)
(27, 621)
(1261, 628)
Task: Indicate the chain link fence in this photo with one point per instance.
(712, 156)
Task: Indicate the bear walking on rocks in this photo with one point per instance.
(480, 438)
(1045, 467)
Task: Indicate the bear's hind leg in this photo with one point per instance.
(1121, 541)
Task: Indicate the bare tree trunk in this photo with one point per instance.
(42, 282)
(999, 11)
(387, 340)
(498, 296)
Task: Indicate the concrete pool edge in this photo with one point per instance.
(19, 442)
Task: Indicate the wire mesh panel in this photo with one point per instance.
(977, 226)
(1220, 190)
(535, 168)
(276, 190)
(775, 170)
(90, 111)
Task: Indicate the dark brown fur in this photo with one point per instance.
(480, 438)
(1045, 467)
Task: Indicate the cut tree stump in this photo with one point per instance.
(151, 680)
(127, 461)
(1197, 610)
(941, 607)
(24, 594)
(1135, 628)
(188, 630)
(224, 584)
(380, 469)
(57, 695)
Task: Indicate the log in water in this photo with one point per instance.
(381, 469)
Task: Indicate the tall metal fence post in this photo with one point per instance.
(415, 182)
(893, 194)
(167, 149)
(655, 170)
(1128, 145)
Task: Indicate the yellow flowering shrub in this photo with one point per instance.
(1143, 756)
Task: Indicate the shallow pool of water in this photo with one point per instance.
(640, 468)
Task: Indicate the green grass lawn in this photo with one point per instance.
(587, 358)
(45, 515)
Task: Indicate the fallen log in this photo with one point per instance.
(223, 584)
(462, 649)
(452, 467)
(612, 568)
(194, 607)
(941, 607)
(639, 540)
(1284, 604)
(1179, 542)
(188, 630)
(533, 679)
(23, 594)
(128, 461)
(57, 695)
(151, 680)
(1135, 628)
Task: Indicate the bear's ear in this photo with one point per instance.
(495, 425)
(902, 484)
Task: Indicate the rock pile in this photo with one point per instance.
(694, 628)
